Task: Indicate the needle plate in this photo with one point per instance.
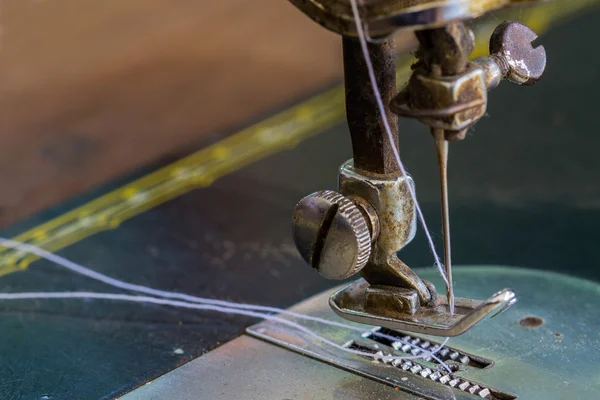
(507, 356)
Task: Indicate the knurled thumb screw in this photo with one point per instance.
(331, 234)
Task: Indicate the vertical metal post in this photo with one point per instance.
(371, 145)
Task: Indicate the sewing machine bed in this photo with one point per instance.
(523, 187)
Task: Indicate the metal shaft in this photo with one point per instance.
(441, 145)
(371, 145)
(444, 51)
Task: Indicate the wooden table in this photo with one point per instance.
(91, 89)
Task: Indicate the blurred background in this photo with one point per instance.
(91, 89)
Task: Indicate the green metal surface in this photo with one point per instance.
(558, 359)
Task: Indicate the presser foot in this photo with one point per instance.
(399, 309)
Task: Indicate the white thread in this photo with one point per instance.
(174, 303)
(231, 307)
(183, 304)
(80, 269)
(365, 50)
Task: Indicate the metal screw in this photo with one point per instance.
(331, 234)
(511, 46)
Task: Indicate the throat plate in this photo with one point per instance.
(503, 358)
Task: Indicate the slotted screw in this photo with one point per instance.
(331, 234)
(512, 48)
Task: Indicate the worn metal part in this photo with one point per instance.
(405, 375)
(331, 234)
(491, 70)
(510, 360)
(511, 46)
(443, 51)
(445, 90)
(372, 148)
(391, 297)
(452, 103)
(423, 367)
(383, 17)
(449, 94)
(405, 344)
(442, 59)
(370, 215)
(390, 198)
(349, 302)
(512, 56)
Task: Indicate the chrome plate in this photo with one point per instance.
(250, 369)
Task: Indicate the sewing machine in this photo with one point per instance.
(362, 228)
(546, 347)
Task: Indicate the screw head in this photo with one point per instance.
(522, 63)
(331, 234)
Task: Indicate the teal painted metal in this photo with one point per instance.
(559, 359)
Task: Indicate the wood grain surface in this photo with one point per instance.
(92, 89)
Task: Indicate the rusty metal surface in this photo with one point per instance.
(383, 17)
(452, 103)
(448, 92)
(445, 48)
(390, 198)
(445, 91)
(511, 45)
(371, 145)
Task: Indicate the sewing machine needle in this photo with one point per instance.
(441, 145)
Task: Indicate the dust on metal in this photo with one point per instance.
(511, 45)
